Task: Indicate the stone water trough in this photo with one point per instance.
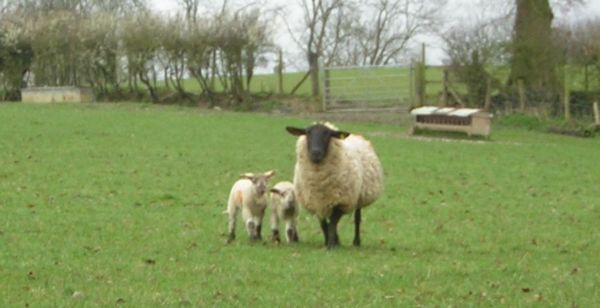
(57, 95)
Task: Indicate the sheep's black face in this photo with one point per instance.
(318, 137)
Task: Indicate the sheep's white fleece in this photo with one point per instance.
(350, 176)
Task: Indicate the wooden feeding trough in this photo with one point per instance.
(468, 120)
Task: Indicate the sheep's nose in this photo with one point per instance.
(317, 156)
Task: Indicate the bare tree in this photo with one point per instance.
(317, 14)
(16, 55)
(174, 37)
(191, 8)
(384, 31)
(475, 51)
(141, 47)
(580, 44)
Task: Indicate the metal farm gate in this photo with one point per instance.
(367, 87)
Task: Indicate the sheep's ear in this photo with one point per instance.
(340, 134)
(296, 131)
(269, 174)
(275, 191)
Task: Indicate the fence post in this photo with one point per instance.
(423, 59)
(521, 95)
(326, 86)
(423, 79)
(324, 80)
(420, 83)
(411, 83)
(488, 95)
(596, 114)
(445, 87)
(567, 98)
(280, 71)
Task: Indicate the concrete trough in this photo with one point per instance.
(57, 95)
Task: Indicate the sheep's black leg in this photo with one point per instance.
(324, 228)
(357, 217)
(332, 236)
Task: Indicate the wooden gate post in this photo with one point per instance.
(567, 101)
(280, 71)
(445, 87)
(521, 89)
(326, 87)
(596, 115)
(488, 95)
(324, 91)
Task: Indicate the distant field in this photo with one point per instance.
(109, 204)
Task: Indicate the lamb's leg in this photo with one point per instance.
(357, 218)
(325, 228)
(293, 225)
(259, 231)
(232, 211)
(332, 236)
(252, 228)
(291, 234)
(275, 227)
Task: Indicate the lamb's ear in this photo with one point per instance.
(340, 134)
(296, 131)
(248, 175)
(269, 174)
(275, 191)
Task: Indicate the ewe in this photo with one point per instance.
(285, 208)
(248, 194)
(336, 173)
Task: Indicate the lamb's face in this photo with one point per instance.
(287, 197)
(318, 138)
(259, 181)
(260, 185)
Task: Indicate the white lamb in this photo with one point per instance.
(284, 208)
(248, 194)
(336, 173)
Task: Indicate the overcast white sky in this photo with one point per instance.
(459, 9)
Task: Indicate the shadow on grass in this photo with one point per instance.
(444, 135)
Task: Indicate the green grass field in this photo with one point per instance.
(109, 204)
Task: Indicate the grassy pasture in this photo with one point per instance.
(121, 204)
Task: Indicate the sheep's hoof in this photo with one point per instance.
(331, 247)
(230, 238)
(356, 243)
